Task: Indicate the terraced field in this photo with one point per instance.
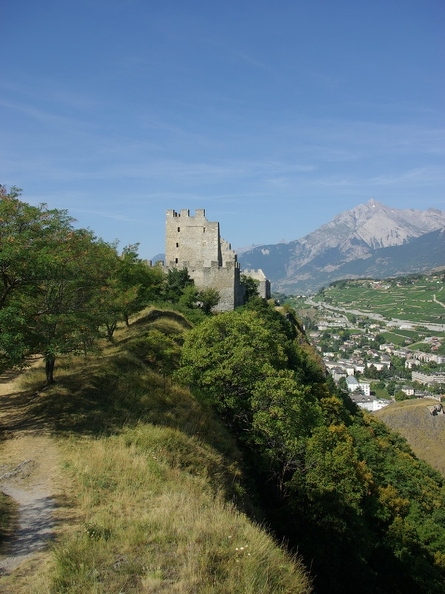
(420, 300)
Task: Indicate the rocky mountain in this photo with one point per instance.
(369, 240)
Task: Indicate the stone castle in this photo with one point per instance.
(195, 243)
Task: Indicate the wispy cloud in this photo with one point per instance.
(43, 115)
(49, 92)
(407, 178)
(252, 61)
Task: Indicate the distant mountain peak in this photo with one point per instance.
(352, 236)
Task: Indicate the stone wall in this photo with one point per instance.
(195, 243)
(191, 239)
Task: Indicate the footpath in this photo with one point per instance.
(30, 475)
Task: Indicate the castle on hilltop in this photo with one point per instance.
(194, 243)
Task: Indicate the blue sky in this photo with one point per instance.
(273, 116)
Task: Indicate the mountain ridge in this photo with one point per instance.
(341, 247)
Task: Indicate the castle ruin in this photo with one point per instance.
(194, 243)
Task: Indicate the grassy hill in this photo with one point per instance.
(154, 482)
(424, 432)
(159, 494)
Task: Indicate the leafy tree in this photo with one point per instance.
(63, 312)
(372, 372)
(283, 416)
(342, 384)
(225, 356)
(247, 365)
(145, 280)
(209, 299)
(176, 282)
(130, 286)
(251, 286)
(51, 279)
(334, 482)
(189, 297)
(400, 395)
(28, 237)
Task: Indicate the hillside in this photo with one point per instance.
(162, 439)
(424, 432)
(369, 240)
(144, 486)
(159, 489)
(416, 299)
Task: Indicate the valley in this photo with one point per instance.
(390, 334)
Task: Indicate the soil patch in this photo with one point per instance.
(30, 474)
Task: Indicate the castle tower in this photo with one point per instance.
(191, 240)
(195, 243)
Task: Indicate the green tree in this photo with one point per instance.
(209, 299)
(28, 237)
(251, 286)
(225, 357)
(175, 284)
(400, 395)
(29, 240)
(63, 310)
(391, 387)
(130, 286)
(283, 417)
(51, 279)
(137, 275)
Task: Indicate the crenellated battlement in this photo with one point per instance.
(185, 213)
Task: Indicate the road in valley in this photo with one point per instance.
(378, 317)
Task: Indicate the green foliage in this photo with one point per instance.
(335, 483)
(163, 352)
(176, 282)
(60, 286)
(225, 357)
(209, 299)
(400, 395)
(251, 286)
(131, 284)
(51, 276)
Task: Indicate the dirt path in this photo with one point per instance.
(29, 473)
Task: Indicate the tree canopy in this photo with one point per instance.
(333, 481)
(60, 286)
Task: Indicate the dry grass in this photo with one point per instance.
(425, 433)
(153, 482)
(150, 526)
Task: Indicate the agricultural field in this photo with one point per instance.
(421, 300)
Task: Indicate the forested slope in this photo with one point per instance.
(340, 487)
